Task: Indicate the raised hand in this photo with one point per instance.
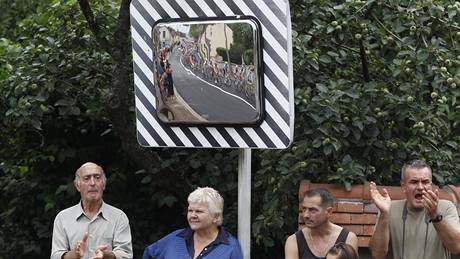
(80, 247)
(430, 202)
(99, 253)
(382, 201)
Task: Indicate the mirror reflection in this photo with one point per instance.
(206, 72)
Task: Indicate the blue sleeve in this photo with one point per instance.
(236, 253)
(159, 249)
(149, 251)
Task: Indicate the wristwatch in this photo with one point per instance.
(437, 219)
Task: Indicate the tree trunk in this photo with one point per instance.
(123, 121)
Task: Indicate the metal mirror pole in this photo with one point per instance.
(244, 201)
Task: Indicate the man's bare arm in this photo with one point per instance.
(381, 238)
(352, 240)
(290, 248)
(449, 235)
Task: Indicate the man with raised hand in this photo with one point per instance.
(92, 228)
(420, 226)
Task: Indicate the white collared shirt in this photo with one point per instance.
(109, 227)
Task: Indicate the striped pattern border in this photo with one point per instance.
(275, 132)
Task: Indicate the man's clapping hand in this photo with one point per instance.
(382, 201)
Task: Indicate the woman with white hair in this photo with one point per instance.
(204, 238)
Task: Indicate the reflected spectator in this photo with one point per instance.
(169, 82)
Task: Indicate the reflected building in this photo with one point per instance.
(217, 35)
(165, 36)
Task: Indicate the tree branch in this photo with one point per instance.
(118, 107)
(123, 120)
(362, 53)
(94, 26)
(389, 31)
(123, 21)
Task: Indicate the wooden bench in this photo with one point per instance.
(355, 210)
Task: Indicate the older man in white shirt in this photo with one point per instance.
(92, 228)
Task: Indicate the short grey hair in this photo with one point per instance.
(326, 196)
(212, 198)
(415, 164)
(77, 173)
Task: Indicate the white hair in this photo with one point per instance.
(212, 198)
(77, 173)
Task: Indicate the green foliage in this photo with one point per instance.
(242, 48)
(243, 34)
(196, 30)
(53, 88)
(376, 83)
(248, 56)
(236, 53)
(222, 52)
(14, 11)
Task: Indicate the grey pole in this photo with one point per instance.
(244, 201)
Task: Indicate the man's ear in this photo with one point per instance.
(403, 186)
(77, 185)
(329, 210)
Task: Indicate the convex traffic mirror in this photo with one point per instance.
(208, 71)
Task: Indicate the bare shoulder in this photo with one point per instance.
(352, 236)
(338, 229)
(290, 248)
(292, 239)
(352, 240)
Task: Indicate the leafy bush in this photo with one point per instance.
(222, 52)
(53, 89)
(248, 56)
(376, 84)
(236, 53)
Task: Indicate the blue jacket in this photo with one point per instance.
(173, 246)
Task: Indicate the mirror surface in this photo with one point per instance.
(208, 72)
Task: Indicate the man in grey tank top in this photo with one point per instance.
(319, 234)
(420, 227)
